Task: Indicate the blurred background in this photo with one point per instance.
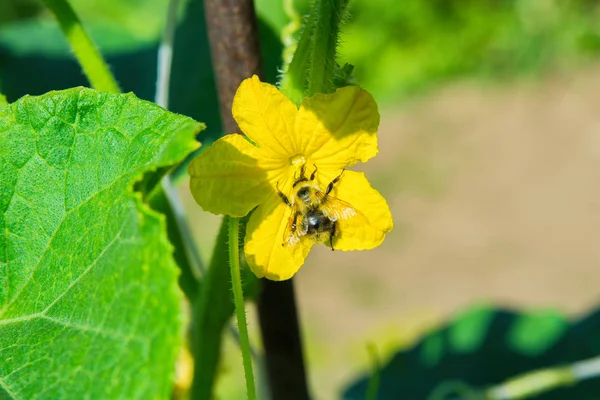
(489, 158)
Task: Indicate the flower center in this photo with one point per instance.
(298, 160)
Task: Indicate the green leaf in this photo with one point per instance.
(536, 332)
(188, 282)
(89, 304)
(485, 346)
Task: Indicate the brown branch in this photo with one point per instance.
(235, 51)
(281, 338)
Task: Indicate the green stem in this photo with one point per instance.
(535, 383)
(373, 386)
(313, 67)
(325, 41)
(525, 386)
(87, 54)
(238, 298)
(165, 57)
(212, 310)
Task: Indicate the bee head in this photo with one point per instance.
(304, 194)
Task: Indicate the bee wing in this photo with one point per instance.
(291, 235)
(336, 209)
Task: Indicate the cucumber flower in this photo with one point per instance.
(284, 149)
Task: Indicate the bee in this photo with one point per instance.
(315, 213)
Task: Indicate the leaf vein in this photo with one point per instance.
(7, 388)
(88, 268)
(50, 240)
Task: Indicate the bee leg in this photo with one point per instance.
(333, 182)
(295, 223)
(302, 177)
(302, 170)
(332, 234)
(283, 196)
(312, 176)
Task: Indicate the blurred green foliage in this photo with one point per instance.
(11, 10)
(35, 57)
(399, 48)
(485, 346)
(142, 19)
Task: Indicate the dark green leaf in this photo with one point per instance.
(486, 346)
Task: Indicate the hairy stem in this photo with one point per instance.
(212, 310)
(90, 59)
(240, 311)
(325, 41)
(313, 67)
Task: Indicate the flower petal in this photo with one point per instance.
(366, 230)
(337, 130)
(266, 116)
(265, 253)
(231, 176)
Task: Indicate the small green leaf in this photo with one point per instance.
(469, 330)
(535, 333)
(89, 304)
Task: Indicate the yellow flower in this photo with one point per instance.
(329, 133)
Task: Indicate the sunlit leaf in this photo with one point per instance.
(89, 304)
